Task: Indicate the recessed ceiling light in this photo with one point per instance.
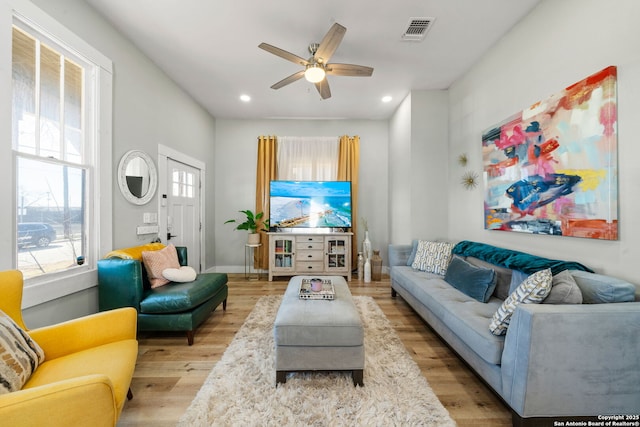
(245, 98)
(386, 98)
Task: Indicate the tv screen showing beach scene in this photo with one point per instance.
(310, 204)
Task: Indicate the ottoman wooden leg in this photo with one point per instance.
(357, 375)
(281, 377)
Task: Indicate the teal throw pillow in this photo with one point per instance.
(477, 282)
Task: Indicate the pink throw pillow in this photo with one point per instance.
(155, 262)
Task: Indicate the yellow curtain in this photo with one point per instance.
(265, 173)
(348, 163)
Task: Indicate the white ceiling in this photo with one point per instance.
(210, 48)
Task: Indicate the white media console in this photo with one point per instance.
(302, 253)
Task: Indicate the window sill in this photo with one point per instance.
(41, 292)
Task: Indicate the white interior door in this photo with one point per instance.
(183, 209)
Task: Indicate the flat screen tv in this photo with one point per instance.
(310, 204)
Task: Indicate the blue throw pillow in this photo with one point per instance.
(597, 288)
(414, 249)
(517, 277)
(477, 282)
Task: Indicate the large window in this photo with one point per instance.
(49, 98)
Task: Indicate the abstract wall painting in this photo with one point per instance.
(552, 168)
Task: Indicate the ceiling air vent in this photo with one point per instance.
(417, 29)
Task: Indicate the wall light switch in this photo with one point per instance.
(150, 217)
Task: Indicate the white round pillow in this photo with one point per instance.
(182, 274)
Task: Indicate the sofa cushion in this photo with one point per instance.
(179, 297)
(155, 262)
(477, 282)
(533, 290)
(19, 355)
(564, 290)
(116, 360)
(503, 276)
(432, 257)
(597, 288)
(463, 315)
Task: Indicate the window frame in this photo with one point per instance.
(45, 288)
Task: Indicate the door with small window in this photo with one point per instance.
(183, 209)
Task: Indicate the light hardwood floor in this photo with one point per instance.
(169, 373)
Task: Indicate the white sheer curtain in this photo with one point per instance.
(308, 158)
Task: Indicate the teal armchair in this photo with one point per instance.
(123, 282)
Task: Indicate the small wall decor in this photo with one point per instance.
(552, 168)
(462, 159)
(470, 180)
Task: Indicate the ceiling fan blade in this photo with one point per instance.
(330, 43)
(288, 80)
(323, 88)
(349, 70)
(283, 54)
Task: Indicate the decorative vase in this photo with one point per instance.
(366, 246)
(376, 266)
(360, 266)
(367, 271)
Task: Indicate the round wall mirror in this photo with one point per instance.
(137, 177)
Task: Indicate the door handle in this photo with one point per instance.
(169, 235)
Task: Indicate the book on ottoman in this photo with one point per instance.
(317, 288)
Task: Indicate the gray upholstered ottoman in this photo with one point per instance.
(318, 335)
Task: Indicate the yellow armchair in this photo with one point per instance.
(89, 363)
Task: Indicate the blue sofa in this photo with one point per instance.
(555, 361)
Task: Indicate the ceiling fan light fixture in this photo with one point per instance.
(314, 73)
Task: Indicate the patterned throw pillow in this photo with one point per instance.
(433, 257)
(19, 355)
(155, 262)
(534, 289)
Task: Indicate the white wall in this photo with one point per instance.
(418, 174)
(235, 176)
(429, 137)
(149, 109)
(557, 44)
(400, 209)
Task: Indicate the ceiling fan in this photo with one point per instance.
(317, 66)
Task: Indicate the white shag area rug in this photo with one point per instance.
(240, 390)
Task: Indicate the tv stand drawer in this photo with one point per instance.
(310, 239)
(312, 266)
(303, 256)
(313, 246)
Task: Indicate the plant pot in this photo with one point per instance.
(253, 238)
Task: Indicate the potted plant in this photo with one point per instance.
(252, 223)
